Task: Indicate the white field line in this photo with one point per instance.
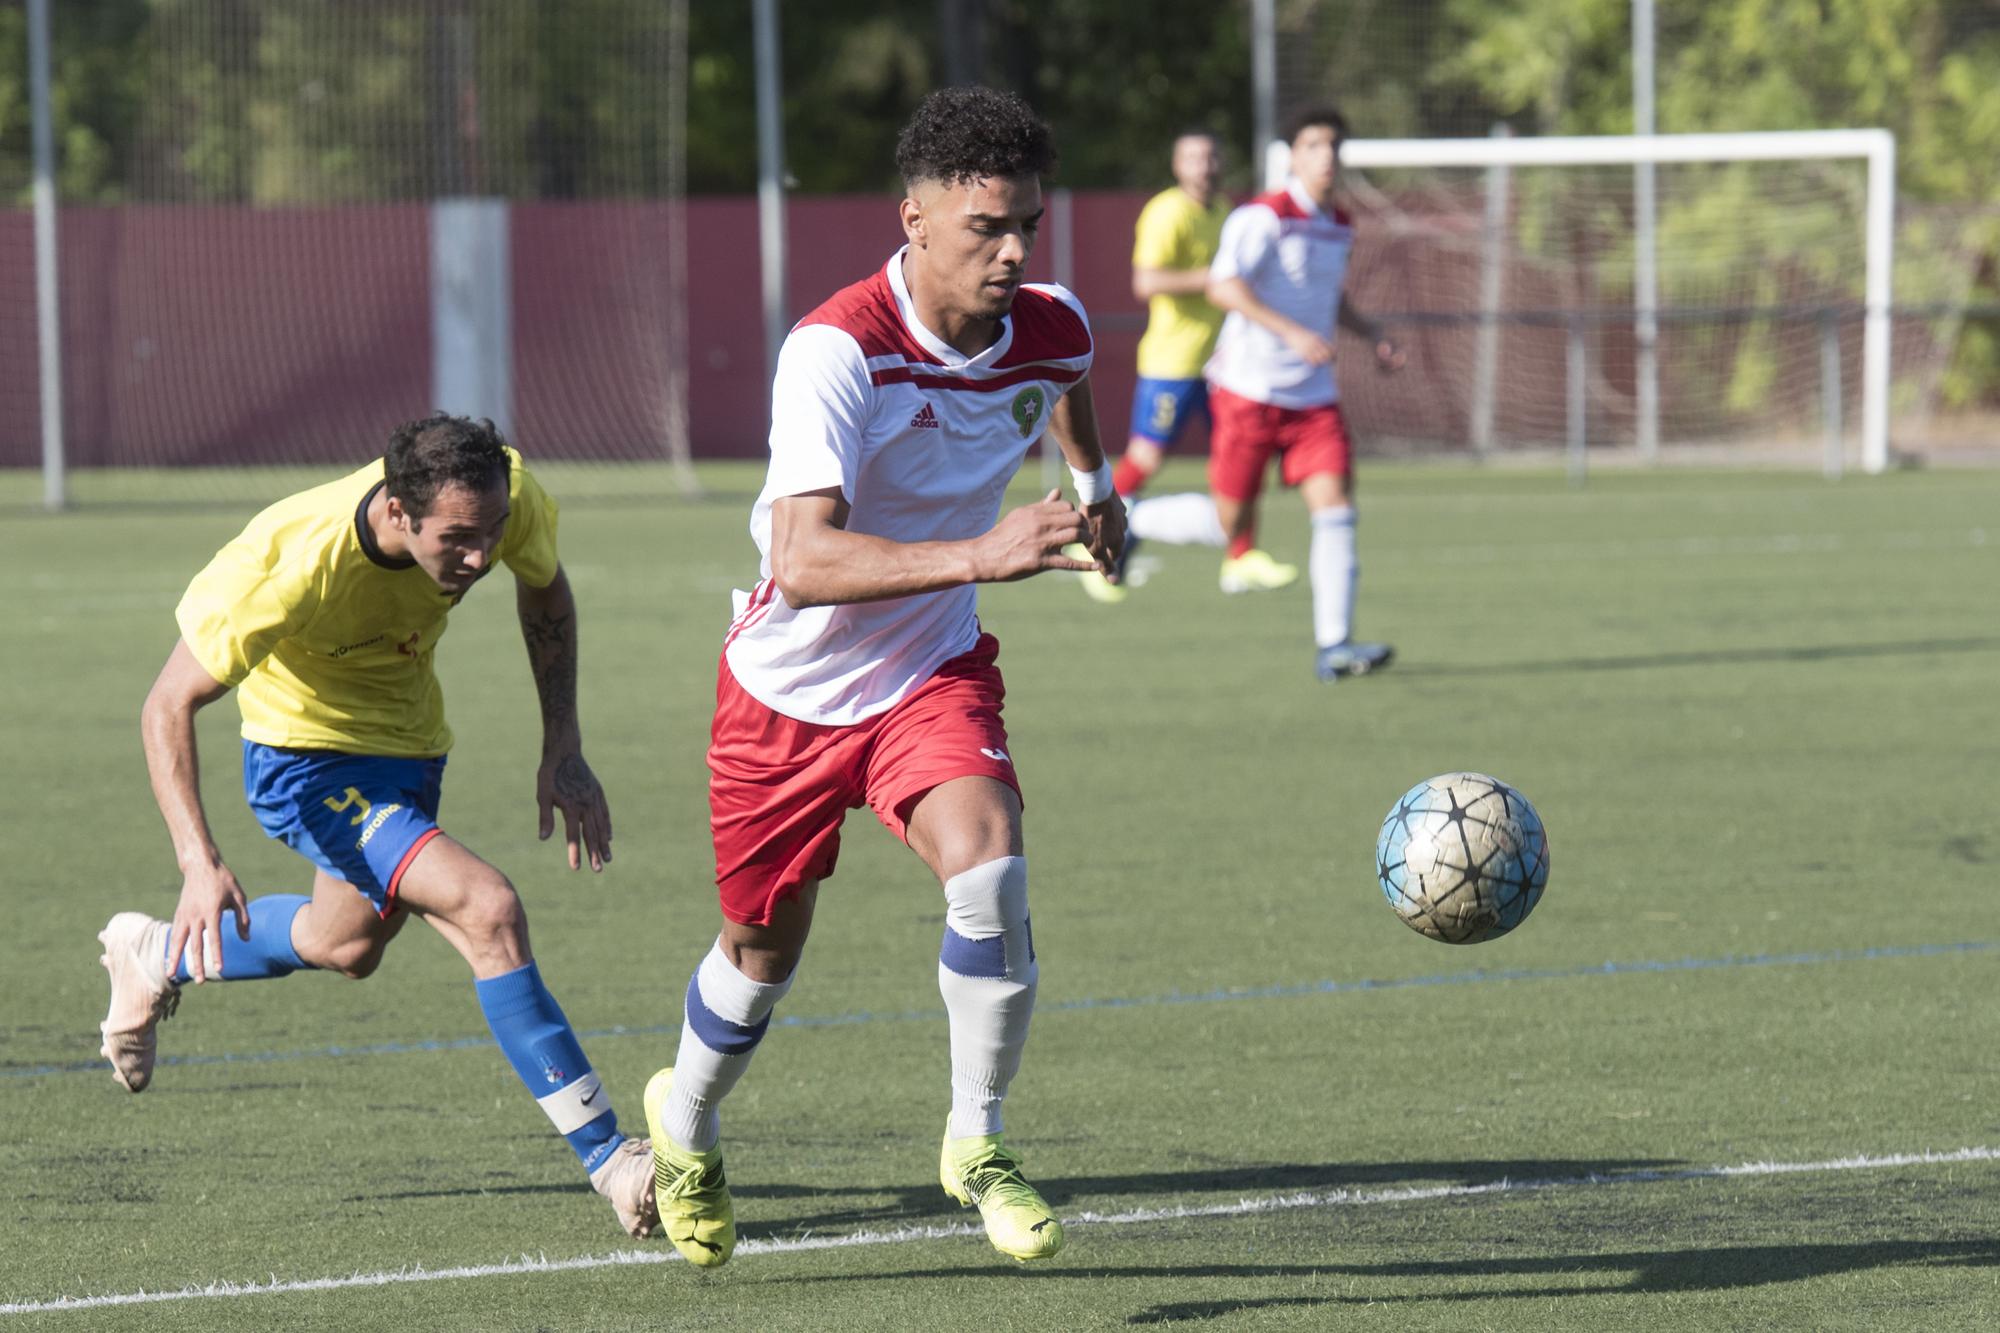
(1339, 1198)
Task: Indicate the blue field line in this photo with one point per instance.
(1218, 996)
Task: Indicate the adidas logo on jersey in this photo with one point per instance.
(926, 419)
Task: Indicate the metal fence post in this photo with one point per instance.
(48, 314)
(1578, 367)
(1062, 245)
(1830, 393)
(1492, 276)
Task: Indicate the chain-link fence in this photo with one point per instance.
(286, 225)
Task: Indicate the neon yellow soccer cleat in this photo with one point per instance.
(1018, 1221)
(689, 1188)
(1256, 571)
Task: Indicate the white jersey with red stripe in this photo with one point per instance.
(1293, 254)
(921, 440)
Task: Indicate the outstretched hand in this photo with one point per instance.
(565, 782)
(206, 893)
(1030, 539)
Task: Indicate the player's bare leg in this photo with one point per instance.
(769, 954)
(1246, 567)
(1142, 458)
(968, 831)
(1329, 498)
(340, 931)
(1237, 517)
(474, 907)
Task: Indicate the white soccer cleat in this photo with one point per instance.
(135, 954)
(626, 1179)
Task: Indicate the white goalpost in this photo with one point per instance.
(1800, 238)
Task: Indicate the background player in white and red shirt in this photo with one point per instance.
(1280, 272)
(856, 671)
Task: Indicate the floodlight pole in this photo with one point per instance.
(1645, 259)
(770, 181)
(48, 318)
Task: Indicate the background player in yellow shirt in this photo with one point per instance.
(323, 615)
(1174, 239)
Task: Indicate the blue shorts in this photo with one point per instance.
(1160, 408)
(360, 818)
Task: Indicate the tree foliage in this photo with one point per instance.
(269, 98)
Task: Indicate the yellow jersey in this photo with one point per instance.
(328, 641)
(1176, 232)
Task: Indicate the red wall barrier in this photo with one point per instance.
(226, 335)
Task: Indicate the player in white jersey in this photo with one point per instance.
(857, 671)
(1280, 272)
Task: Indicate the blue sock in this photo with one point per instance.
(531, 1029)
(268, 952)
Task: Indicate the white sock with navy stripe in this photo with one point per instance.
(722, 1022)
(1334, 574)
(987, 974)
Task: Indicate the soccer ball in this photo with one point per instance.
(1462, 858)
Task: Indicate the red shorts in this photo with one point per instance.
(779, 788)
(1245, 433)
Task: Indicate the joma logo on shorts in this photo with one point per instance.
(382, 814)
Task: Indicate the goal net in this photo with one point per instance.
(287, 226)
(1516, 273)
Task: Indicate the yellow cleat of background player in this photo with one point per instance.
(1256, 571)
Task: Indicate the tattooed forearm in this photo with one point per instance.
(544, 631)
(555, 681)
(551, 640)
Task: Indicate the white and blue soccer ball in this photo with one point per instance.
(1462, 857)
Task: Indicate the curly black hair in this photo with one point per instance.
(960, 135)
(426, 456)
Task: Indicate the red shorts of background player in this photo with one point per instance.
(779, 788)
(1245, 433)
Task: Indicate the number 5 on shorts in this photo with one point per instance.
(347, 802)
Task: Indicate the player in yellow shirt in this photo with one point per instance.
(1175, 238)
(323, 615)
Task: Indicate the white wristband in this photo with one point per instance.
(1092, 487)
